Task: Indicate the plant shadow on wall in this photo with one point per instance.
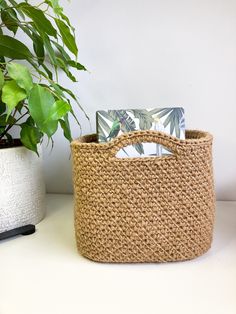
(31, 97)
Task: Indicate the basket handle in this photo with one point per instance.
(144, 136)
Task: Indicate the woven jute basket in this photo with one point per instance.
(151, 209)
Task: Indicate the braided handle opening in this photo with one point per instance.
(146, 136)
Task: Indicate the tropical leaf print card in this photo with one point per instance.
(112, 123)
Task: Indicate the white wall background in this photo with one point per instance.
(143, 53)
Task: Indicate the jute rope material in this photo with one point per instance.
(151, 209)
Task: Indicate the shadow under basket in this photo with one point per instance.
(151, 209)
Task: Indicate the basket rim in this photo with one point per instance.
(194, 137)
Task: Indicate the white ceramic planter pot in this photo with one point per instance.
(22, 190)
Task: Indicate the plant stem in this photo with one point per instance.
(39, 4)
(11, 125)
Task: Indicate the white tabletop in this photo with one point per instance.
(44, 274)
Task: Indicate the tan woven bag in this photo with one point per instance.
(150, 209)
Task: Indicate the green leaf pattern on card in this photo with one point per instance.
(112, 123)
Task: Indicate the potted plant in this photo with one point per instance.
(31, 100)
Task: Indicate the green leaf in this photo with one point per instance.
(41, 22)
(57, 90)
(101, 135)
(49, 48)
(30, 121)
(13, 48)
(70, 93)
(173, 118)
(46, 75)
(145, 118)
(2, 129)
(182, 122)
(19, 107)
(1, 79)
(55, 5)
(30, 136)
(58, 110)
(4, 120)
(65, 18)
(63, 54)
(161, 112)
(177, 129)
(67, 37)
(3, 4)
(9, 138)
(114, 130)
(172, 125)
(58, 10)
(9, 18)
(139, 148)
(76, 65)
(127, 125)
(40, 103)
(101, 123)
(106, 115)
(2, 107)
(21, 75)
(168, 120)
(12, 94)
(66, 128)
(15, 4)
(63, 66)
(38, 48)
(49, 73)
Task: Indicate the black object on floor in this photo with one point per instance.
(25, 230)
